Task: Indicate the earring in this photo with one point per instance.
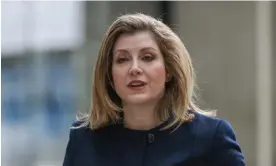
(168, 78)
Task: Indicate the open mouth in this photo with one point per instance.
(136, 84)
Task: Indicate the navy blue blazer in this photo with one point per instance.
(204, 141)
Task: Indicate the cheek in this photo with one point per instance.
(117, 76)
(159, 73)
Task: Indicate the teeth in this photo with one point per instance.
(134, 84)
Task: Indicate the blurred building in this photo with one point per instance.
(39, 40)
(49, 50)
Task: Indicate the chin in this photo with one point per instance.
(138, 100)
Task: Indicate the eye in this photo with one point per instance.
(148, 58)
(121, 60)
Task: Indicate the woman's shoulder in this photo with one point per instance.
(83, 129)
(216, 137)
(210, 126)
(79, 129)
(77, 124)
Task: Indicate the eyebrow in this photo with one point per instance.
(143, 49)
(120, 50)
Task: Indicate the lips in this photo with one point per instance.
(136, 84)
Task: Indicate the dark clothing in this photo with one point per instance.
(204, 141)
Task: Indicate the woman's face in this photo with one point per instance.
(138, 69)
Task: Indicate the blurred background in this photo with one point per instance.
(48, 51)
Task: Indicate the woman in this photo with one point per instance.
(143, 112)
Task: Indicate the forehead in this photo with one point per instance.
(136, 40)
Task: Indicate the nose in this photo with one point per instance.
(135, 69)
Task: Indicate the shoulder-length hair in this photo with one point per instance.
(179, 93)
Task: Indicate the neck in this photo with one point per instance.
(140, 117)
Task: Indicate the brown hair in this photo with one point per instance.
(179, 91)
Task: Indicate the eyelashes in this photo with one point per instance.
(148, 58)
(121, 60)
(145, 58)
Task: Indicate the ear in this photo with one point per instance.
(168, 77)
